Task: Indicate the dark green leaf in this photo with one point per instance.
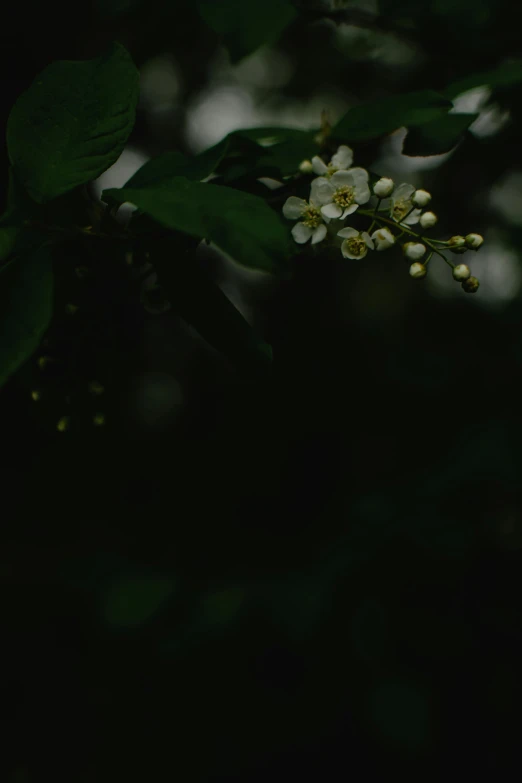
(72, 123)
(438, 136)
(26, 300)
(175, 164)
(506, 75)
(241, 224)
(386, 115)
(203, 305)
(244, 26)
(132, 602)
(8, 235)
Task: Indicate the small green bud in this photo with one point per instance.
(471, 285)
(414, 250)
(418, 271)
(428, 219)
(474, 241)
(461, 272)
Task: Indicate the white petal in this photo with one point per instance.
(293, 208)
(403, 192)
(341, 178)
(413, 218)
(347, 233)
(321, 191)
(367, 240)
(362, 193)
(349, 210)
(331, 210)
(318, 165)
(301, 233)
(343, 158)
(359, 174)
(319, 234)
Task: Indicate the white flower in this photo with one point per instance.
(402, 204)
(383, 187)
(383, 239)
(474, 241)
(341, 195)
(428, 219)
(421, 198)
(341, 161)
(461, 272)
(418, 271)
(355, 244)
(311, 223)
(414, 250)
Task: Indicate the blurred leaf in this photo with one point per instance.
(239, 223)
(132, 602)
(400, 711)
(245, 26)
(387, 114)
(505, 75)
(203, 305)
(26, 301)
(175, 164)
(438, 136)
(72, 123)
(8, 236)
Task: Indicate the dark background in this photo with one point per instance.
(316, 575)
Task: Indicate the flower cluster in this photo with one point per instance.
(340, 190)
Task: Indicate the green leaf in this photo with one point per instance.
(8, 236)
(72, 123)
(505, 75)
(132, 602)
(26, 302)
(245, 25)
(282, 158)
(175, 164)
(438, 136)
(241, 224)
(386, 115)
(203, 305)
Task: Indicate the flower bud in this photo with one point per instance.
(305, 167)
(418, 271)
(421, 198)
(474, 241)
(383, 239)
(457, 244)
(428, 219)
(414, 250)
(383, 187)
(461, 272)
(470, 285)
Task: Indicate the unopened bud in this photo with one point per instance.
(414, 250)
(383, 187)
(457, 244)
(428, 219)
(474, 241)
(461, 272)
(63, 424)
(96, 388)
(421, 198)
(418, 271)
(305, 167)
(35, 395)
(470, 285)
